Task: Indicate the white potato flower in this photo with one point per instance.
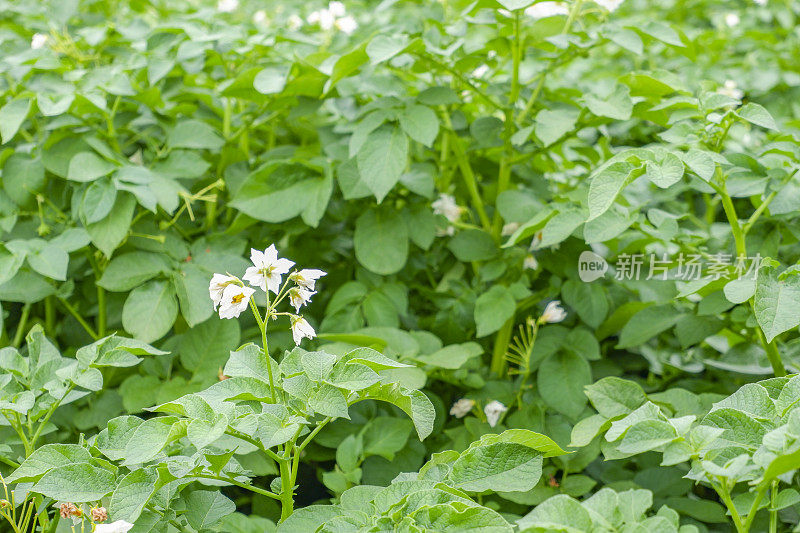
(294, 22)
(301, 329)
(610, 5)
(260, 16)
(761, 2)
(462, 407)
(299, 297)
(494, 410)
(217, 287)
(480, 71)
(732, 19)
(731, 89)
(553, 312)
(547, 9)
(120, 526)
(336, 9)
(38, 40)
(530, 262)
(509, 229)
(323, 17)
(307, 277)
(346, 24)
(446, 206)
(235, 299)
(227, 6)
(267, 269)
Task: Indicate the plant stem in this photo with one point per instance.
(101, 312)
(262, 325)
(23, 320)
(501, 341)
(287, 490)
(246, 486)
(773, 513)
(467, 173)
(79, 318)
(722, 490)
(751, 514)
(50, 316)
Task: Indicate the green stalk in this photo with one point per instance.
(501, 341)
(23, 320)
(773, 513)
(101, 312)
(751, 514)
(725, 496)
(79, 318)
(287, 490)
(262, 325)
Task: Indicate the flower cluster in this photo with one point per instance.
(231, 296)
(494, 410)
(333, 16)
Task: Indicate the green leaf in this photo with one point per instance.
(381, 241)
(420, 123)
(613, 396)
(413, 402)
(775, 302)
(97, 201)
(386, 436)
(384, 47)
(739, 290)
(23, 177)
(109, 233)
(452, 357)
(382, 159)
(130, 270)
(47, 457)
(132, 493)
(204, 508)
(647, 435)
(559, 513)
(617, 105)
(191, 286)
(587, 299)
(755, 114)
(551, 125)
(47, 259)
(88, 166)
(561, 380)
(271, 80)
(12, 115)
(473, 245)
(666, 172)
(646, 324)
(80, 482)
(150, 310)
(493, 309)
(194, 134)
(606, 185)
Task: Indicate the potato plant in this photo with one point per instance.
(465, 265)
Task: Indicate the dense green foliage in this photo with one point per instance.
(455, 168)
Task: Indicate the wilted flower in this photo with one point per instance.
(227, 6)
(221, 375)
(260, 16)
(731, 89)
(307, 277)
(530, 262)
(65, 510)
(610, 5)
(38, 40)
(299, 297)
(217, 287)
(732, 19)
(494, 410)
(99, 514)
(120, 526)
(294, 22)
(346, 24)
(301, 329)
(462, 407)
(546, 9)
(235, 299)
(553, 312)
(267, 269)
(446, 206)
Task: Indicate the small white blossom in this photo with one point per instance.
(294, 22)
(610, 5)
(323, 17)
(235, 299)
(547, 9)
(120, 526)
(732, 19)
(446, 206)
(227, 6)
(260, 16)
(38, 40)
(217, 287)
(530, 262)
(494, 410)
(336, 9)
(731, 89)
(509, 229)
(480, 71)
(761, 2)
(462, 407)
(267, 269)
(299, 297)
(535, 242)
(301, 329)
(346, 24)
(307, 277)
(553, 312)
